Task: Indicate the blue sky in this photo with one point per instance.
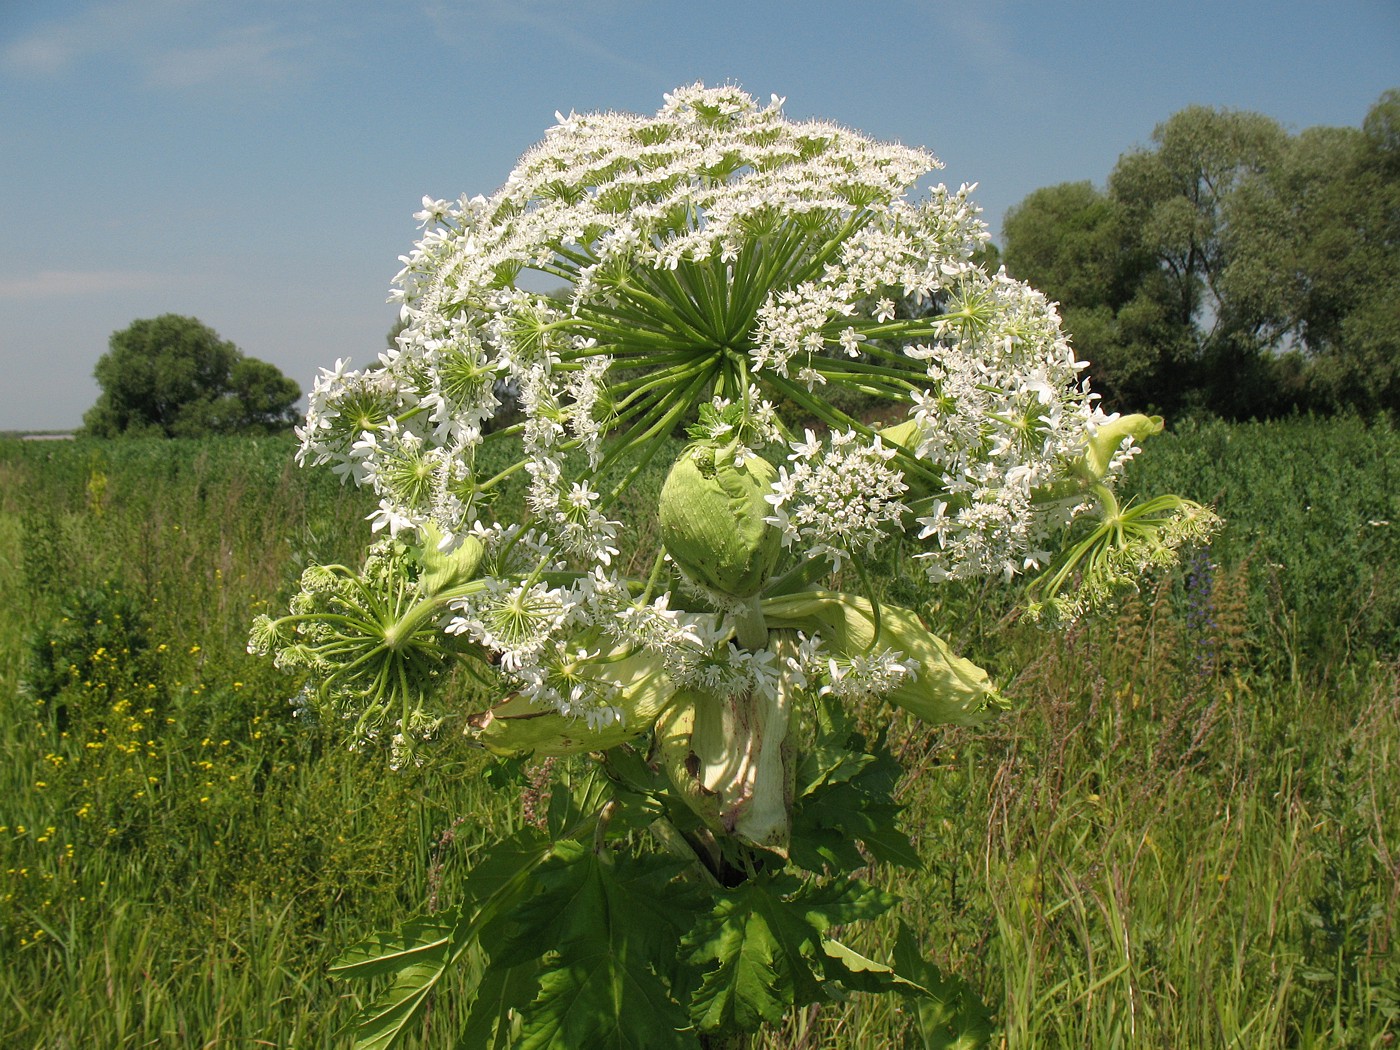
(255, 163)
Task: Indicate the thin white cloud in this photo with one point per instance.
(67, 284)
(44, 54)
(981, 34)
(465, 23)
(167, 44)
(245, 54)
(119, 26)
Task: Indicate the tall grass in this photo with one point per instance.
(1184, 837)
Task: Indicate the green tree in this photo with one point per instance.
(1231, 267)
(1317, 252)
(1177, 199)
(1073, 242)
(172, 376)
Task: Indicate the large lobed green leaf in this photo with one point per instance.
(845, 795)
(416, 956)
(604, 928)
(420, 952)
(762, 948)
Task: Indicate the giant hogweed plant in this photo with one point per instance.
(722, 269)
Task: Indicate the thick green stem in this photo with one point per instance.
(425, 609)
(750, 629)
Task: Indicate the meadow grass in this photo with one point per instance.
(1185, 836)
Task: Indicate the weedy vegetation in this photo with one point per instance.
(1184, 835)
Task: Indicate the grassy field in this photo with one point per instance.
(1186, 836)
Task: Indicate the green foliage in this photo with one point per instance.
(1230, 267)
(845, 791)
(761, 947)
(593, 940)
(1088, 861)
(951, 1017)
(172, 376)
(95, 653)
(1316, 242)
(605, 925)
(1312, 509)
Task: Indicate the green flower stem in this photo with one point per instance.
(838, 368)
(716, 277)
(771, 257)
(662, 363)
(627, 328)
(702, 853)
(641, 403)
(744, 304)
(658, 566)
(666, 379)
(772, 265)
(869, 592)
(631, 312)
(493, 481)
(799, 578)
(905, 329)
(824, 254)
(341, 618)
(633, 324)
(663, 425)
(600, 832)
(514, 430)
(680, 403)
(750, 628)
(396, 634)
(695, 288)
(1107, 501)
(581, 257)
(886, 390)
(663, 307)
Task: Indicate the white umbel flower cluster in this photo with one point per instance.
(838, 500)
(719, 266)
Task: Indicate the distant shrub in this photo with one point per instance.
(95, 653)
(172, 376)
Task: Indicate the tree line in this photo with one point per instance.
(1230, 268)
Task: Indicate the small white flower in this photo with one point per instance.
(837, 500)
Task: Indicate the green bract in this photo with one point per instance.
(946, 689)
(712, 520)
(516, 727)
(732, 761)
(444, 570)
(1109, 438)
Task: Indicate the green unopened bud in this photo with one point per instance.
(711, 514)
(1101, 447)
(441, 571)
